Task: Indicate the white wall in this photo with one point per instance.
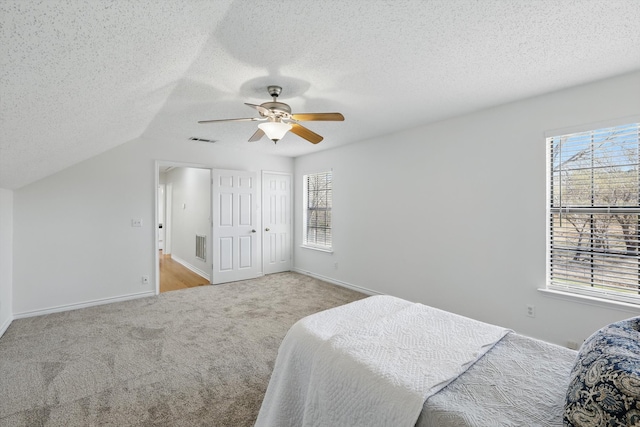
(452, 214)
(6, 258)
(191, 213)
(73, 240)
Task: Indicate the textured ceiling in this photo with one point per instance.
(80, 77)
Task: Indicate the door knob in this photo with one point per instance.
(253, 231)
(266, 229)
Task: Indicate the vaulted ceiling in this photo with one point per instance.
(78, 77)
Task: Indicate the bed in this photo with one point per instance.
(384, 361)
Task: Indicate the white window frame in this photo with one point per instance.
(314, 243)
(614, 290)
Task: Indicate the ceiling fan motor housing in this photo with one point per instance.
(278, 108)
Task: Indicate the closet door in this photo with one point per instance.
(235, 251)
(276, 222)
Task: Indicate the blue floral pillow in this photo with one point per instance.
(604, 388)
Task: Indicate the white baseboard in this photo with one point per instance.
(5, 326)
(192, 267)
(339, 282)
(85, 304)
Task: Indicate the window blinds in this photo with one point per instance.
(594, 213)
(318, 210)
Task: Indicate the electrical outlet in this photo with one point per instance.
(531, 310)
(136, 222)
(145, 280)
(573, 345)
(335, 265)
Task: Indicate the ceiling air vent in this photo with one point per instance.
(193, 138)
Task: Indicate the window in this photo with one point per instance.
(318, 203)
(594, 213)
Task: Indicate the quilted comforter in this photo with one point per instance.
(373, 362)
(520, 382)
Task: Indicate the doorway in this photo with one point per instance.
(183, 227)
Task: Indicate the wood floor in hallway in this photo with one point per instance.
(174, 276)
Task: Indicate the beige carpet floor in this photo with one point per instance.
(195, 357)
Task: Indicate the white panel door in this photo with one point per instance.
(234, 226)
(276, 222)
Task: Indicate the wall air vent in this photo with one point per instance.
(201, 247)
(193, 138)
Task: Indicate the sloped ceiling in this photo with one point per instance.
(80, 77)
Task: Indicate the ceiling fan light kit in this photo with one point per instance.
(275, 130)
(278, 120)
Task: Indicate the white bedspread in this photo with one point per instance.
(373, 362)
(520, 382)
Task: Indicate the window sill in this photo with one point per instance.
(590, 300)
(314, 248)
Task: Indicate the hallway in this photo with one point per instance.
(174, 276)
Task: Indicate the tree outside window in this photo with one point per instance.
(318, 195)
(595, 212)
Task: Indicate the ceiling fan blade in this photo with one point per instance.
(263, 111)
(305, 133)
(257, 135)
(252, 119)
(306, 117)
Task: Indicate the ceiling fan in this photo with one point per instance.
(278, 120)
